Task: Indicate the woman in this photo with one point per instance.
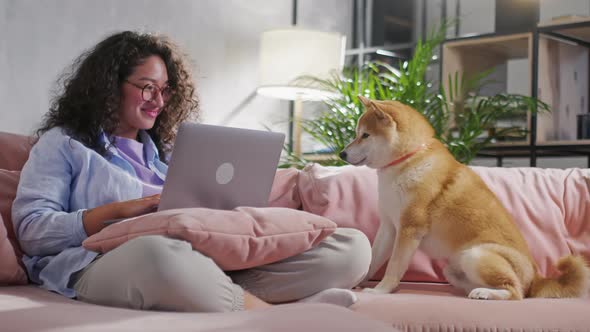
(101, 156)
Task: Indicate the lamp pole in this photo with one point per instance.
(296, 135)
(292, 119)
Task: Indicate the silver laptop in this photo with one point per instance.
(221, 167)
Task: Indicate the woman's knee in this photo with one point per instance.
(348, 257)
(166, 274)
(152, 257)
(155, 248)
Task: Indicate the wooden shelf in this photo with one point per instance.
(568, 142)
(473, 55)
(555, 149)
(575, 28)
(498, 46)
(511, 143)
(470, 56)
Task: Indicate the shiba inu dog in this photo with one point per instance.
(428, 200)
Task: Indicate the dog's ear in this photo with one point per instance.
(381, 115)
(372, 106)
(366, 101)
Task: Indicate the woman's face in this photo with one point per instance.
(143, 96)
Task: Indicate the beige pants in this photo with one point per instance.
(159, 273)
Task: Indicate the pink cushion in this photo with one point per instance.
(550, 206)
(239, 239)
(14, 150)
(284, 191)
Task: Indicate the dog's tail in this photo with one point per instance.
(573, 281)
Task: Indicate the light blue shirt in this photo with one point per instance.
(60, 180)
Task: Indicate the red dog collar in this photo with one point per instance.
(406, 156)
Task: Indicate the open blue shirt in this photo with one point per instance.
(60, 180)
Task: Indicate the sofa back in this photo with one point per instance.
(14, 151)
(551, 207)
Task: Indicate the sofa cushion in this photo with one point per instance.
(14, 150)
(11, 272)
(551, 207)
(32, 309)
(417, 307)
(238, 239)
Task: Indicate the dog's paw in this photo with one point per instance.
(374, 291)
(384, 287)
(479, 294)
(489, 294)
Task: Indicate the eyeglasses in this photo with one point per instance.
(150, 91)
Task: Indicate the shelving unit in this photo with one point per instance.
(475, 54)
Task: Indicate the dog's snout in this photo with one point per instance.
(343, 155)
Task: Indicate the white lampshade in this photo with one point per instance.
(287, 54)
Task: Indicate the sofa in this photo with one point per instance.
(550, 206)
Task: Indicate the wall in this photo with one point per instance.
(38, 39)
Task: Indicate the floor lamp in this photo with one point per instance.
(286, 55)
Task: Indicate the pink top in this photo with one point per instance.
(132, 151)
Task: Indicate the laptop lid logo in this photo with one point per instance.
(224, 173)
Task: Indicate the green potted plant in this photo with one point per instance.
(464, 120)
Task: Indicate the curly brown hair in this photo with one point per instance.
(89, 93)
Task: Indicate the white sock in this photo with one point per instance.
(337, 296)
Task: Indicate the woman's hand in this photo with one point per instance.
(94, 219)
(137, 207)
